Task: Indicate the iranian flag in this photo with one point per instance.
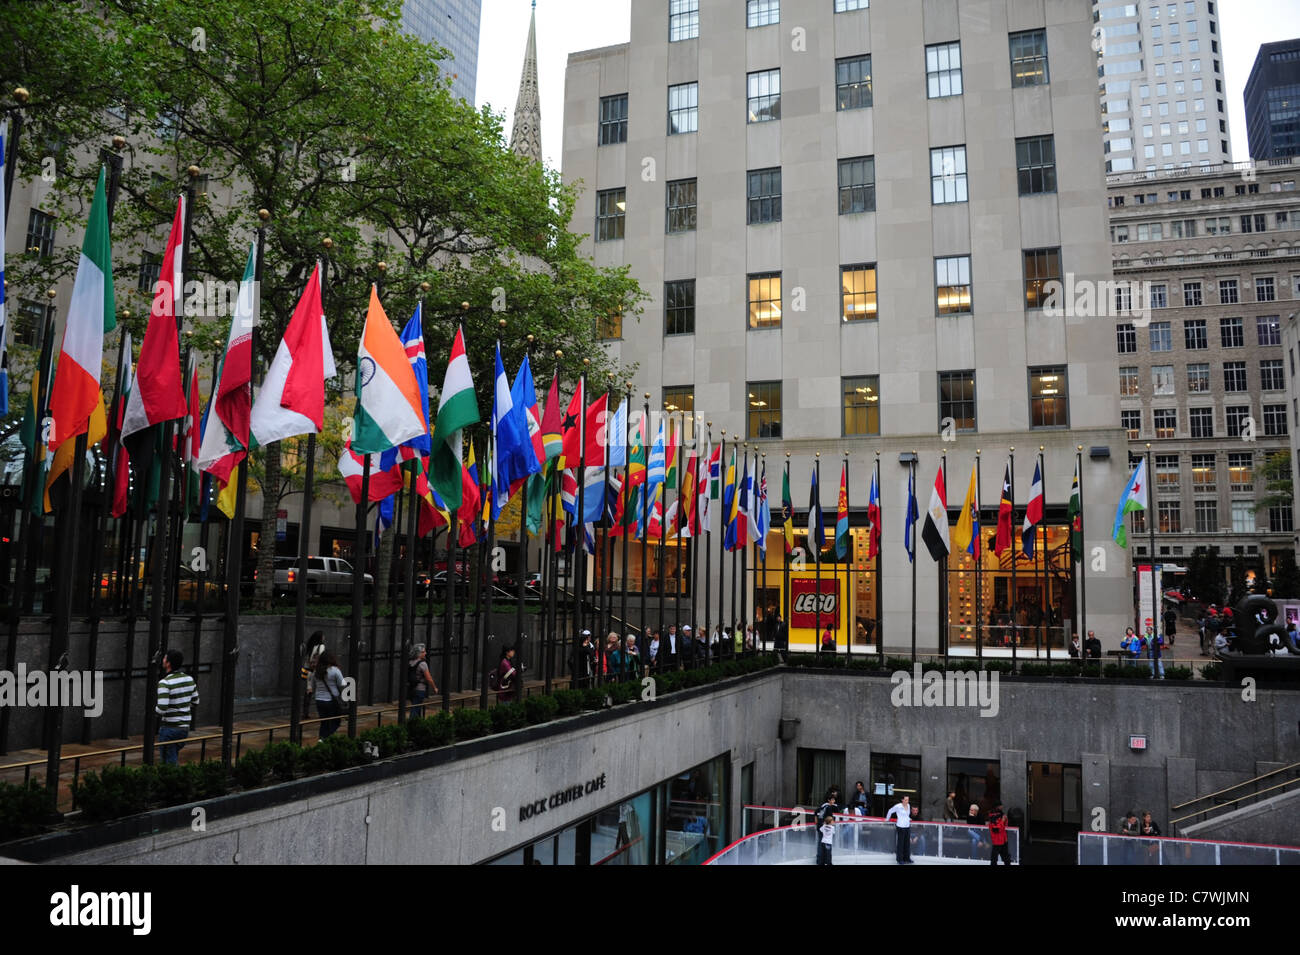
(159, 394)
(457, 410)
(225, 439)
(1133, 499)
(389, 410)
(91, 314)
(292, 399)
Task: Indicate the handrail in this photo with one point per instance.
(1273, 772)
(1234, 802)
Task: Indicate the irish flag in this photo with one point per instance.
(225, 438)
(457, 410)
(91, 313)
(292, 399)
(389, 409)
(1133, 499)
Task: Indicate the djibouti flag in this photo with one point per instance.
(1133, 499)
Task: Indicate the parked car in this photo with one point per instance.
(326, 576)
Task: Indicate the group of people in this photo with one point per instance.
(626, 658)
(1150, 645)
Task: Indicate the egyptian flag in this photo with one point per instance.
(935, 531)
(1003, 539)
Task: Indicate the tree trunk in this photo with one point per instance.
(265, 589)
(384, 563)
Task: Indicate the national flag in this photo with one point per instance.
(702, 493)
(4, 330)
(635, 478)
(292, 398)
(616, 436)
(524, 394)
(670, 454)
(1133, 499)
(730, 507)
(593, 496)
(748, 516)
(873, 518)
(842, 515)
(1075, 514)
(787, 512)
(715, 473)
(433, 513)
(226, 436)
(191, 435)
(389, 411)
(935, 530)
(656, 471)
(470, 499)
(816, 533)
(552, 420)
(967, 536)
(655, 519)
(385, 474)
(569, 492)
(96, 430)
(1033, 513)
(689, 510)
(764, 517)
(909, 529)
(592, 430)
(557, 511)
(513, 457)
(228, 496)
(1005, 505)
(119, 460)
(159, 393)
(457, 410)
(35, 439)
(415, 451)
(75, 393)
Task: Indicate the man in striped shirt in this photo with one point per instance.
(177, 692)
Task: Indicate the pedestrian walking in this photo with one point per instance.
(327, 690)
(419, 680)
(177, 695)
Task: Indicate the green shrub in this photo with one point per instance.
(540, 708)
(21, 810)
(998, 666)
(626, 692)
(1065, 669)
(116, 791)
(1092, 670)
(284, 760)
(893, 664)
(1178, 673)
(178, 784)
(1113, 670)
(593, 698)
(251, 768)
(508, 716)
(1212, 671)
(430, 731)
(1035, 669)
(390, 739)
(332, 753)
(569, 702)
(470, 723)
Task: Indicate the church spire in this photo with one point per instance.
(526, 134)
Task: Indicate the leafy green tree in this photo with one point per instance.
(1276, 474)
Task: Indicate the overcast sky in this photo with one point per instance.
(566, 26)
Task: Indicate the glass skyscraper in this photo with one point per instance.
(453, 24)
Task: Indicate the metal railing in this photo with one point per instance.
(1224, 800)
(1100, 848)
(861, 840)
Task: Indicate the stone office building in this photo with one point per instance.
(1218, 253)
(847, 218)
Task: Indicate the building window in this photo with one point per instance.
(761, 13)
(29, 323)
(1192, 293)
(681, 206)
(1159, 296)
(764, 409)
(680, 398)
(1126, 342)
(844, 6)
(952, 285)
(1236, 416)
(609, 326)
(40, 233)
(1042, 267)
(1231, 333)
(613, 120)
(1138, 526)
(1204, 473)
(679, 307)
(853, 82)
(1207, 517)
(1161, 338)
(1269, 329)
(943, 70)
(861, 405)
(1162, 379)
(1128, 382)
(1279, 518)
(683, 108)
(763, 189)
(1234, 376)
(150, 270)
(764, 91)
(611, 205)
(1241, 471)
(683, 20)
(1228, 292)
(1201, 422)
(857, 292)
(948, 175)
(1195, 336)
(1164, 420)
(1171, 516)
(1167, 472)
(857, 185)
(957, 399)
(1272, 375)
(1274, 420)
(1243, 517)
(1265, 289)
(765, 300)
(1036, 165)
(1049, 401)
(1029, 59)
(1198, 378)
(1131, 421)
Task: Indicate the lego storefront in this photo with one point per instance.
(680, 821)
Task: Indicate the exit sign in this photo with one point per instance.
(1137, 742)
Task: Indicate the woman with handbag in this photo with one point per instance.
(327, 689)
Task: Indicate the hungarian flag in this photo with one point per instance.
(92, 313)
(935, 530)
(385, 474)
(159, 393)
(1005, 505)
(292, 399)
(873, 519)
(457, 410)
(842, 515)
(968, 525)
(1033, 513)
(389, 410)
(226, 435)
(787, 511)
(119, 460)
(1133, 499)
(1075, 514)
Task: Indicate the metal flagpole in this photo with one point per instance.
(1047, 570)
(785, 565)
(850, 553)
(606, 607)
(677, 525)
(945, 624)
(1015, 631)
(880, 545)
(722, 543)
(911, 522)
(579, 574)
(816, 548)
(1083, 579)
(408, 608)
(708, 551)
(645, 526)
(758, 634)
(359, 558)
(644, 645)
(522, 582)
(1152, 517)
(482, 578)
(979, 564)
(663, 536)
(449, 596)
(739, 546)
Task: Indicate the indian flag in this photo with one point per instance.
(92, 313)
(1133, 499)
(457, 409)
(389, 409)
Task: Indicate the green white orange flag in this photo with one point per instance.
(92, 313)
(389, 407)
(457, 410)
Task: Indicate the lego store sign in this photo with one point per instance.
(806, 603)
